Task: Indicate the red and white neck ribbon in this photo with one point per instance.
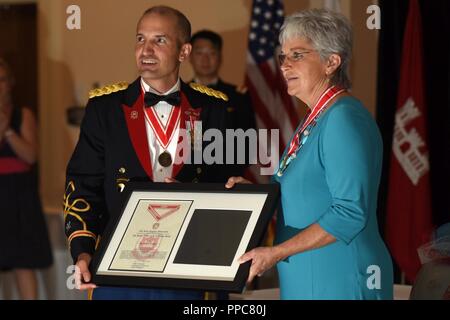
(164, 134)
(167, 209)
(321, 104)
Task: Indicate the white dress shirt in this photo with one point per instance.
(163, 110)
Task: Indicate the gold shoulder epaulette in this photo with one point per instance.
(208, 91)
(242, 89)
(108, 89)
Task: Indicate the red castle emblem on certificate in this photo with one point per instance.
(146, 247)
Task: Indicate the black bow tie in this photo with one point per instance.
(151, 99)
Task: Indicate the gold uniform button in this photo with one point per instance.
(122, 170)
(199, 170)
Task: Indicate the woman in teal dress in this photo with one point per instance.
(327, 243)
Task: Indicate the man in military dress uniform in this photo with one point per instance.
(131, 133)
(206, 59)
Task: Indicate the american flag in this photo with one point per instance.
(274, 108)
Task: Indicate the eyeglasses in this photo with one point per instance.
(294, 56)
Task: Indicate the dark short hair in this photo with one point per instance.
(212, 36)
(182, 21)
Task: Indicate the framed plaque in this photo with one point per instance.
(184, 236)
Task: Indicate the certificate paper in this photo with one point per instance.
(150, 236)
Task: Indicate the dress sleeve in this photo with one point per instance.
(347, 149)
(84, 202)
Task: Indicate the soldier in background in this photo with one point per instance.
(206, 59)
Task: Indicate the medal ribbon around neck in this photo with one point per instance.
(163, 134)
(320, 106)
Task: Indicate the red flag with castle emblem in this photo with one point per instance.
(409, 218)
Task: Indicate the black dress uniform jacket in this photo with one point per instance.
(113, 149)
(240, 104)
(242, 116)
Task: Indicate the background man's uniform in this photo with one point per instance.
(240, 112)
(113, 149)
(240, 104)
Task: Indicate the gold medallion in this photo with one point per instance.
(165, 159)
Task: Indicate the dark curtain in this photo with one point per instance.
(435, 16)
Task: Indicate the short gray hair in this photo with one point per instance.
(329, 33)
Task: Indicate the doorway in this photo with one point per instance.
(18, 45)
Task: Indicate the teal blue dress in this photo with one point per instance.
(334, 181)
